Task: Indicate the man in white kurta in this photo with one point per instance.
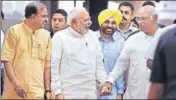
(151, 50)
(133, 57)
(154, 42)
(76, 64)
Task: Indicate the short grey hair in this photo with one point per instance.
(152, 10)
(74, 14)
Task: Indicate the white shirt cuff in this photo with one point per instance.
(110, 79)
(58, 91)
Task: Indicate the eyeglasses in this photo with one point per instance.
(138, 19)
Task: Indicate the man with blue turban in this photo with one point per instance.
(111, 47)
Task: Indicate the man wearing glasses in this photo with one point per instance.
(148, 24)
(133, 57)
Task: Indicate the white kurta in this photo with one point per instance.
(133, 56)
(2, 38)
(151, 50)
(76, 64)
(2, 41)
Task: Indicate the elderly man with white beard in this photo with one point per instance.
(77, 62)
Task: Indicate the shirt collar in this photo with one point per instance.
(27, 28)
(130, 29)
(74, 32)
(149, 37)
(112, 37)
(157, 31)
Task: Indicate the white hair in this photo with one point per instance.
(74, 13)
(152, 10)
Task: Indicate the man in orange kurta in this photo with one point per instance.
(26, 55)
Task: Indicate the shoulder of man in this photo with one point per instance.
(94, 33)
(161, 25)
(14, 30)
(15, 27)
(169, 28)
(136, 36)
(133, 32)
(168, 31)
(133, 28)
(44, 32)
(62, 34)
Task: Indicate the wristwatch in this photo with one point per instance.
(46, 91)
(108, 82)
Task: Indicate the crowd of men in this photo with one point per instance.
(131, 56)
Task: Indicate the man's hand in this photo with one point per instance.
(119, 97)
(49, 95)
(60, 96)
(105, 89)
(19, 89)
(149, 63)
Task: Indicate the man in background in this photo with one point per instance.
(58, 21)
(125, 28)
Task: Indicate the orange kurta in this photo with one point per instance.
(29, 53)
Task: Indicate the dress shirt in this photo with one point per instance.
(111, 50)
